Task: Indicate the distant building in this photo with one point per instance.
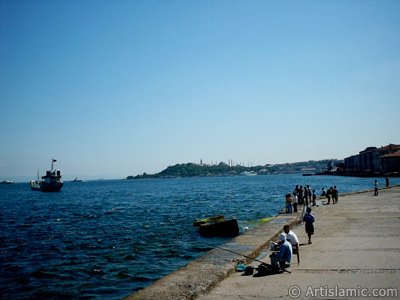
(374, 161)
(391, 163)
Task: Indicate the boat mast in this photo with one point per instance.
(52, 164)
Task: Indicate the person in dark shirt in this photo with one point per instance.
(329, 195)
(376, 188)
(335, 195)
(284, 254)
(314, 198)
(309, 219)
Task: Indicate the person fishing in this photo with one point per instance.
(284, 255)
(292, 238)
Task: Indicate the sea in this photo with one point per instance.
(107, 239)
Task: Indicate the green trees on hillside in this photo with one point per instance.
(223, 169)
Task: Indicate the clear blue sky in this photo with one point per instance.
(118, 88)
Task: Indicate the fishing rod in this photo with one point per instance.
(234, 252)
(263, 264)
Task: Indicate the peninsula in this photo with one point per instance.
(224, 169)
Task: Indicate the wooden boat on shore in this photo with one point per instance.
(219, 218)
(217, 226)
(51, 182)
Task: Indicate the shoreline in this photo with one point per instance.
(203, 274)
(355, 249)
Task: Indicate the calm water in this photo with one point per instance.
(106, 239)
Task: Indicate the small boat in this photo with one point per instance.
(6, 182)
(217, 226)
(51, 182)
(76, 180)
(219, 218)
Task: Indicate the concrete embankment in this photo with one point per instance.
(355, 254)
(356, 245)
(201, 275)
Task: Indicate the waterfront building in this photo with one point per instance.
(374, 161)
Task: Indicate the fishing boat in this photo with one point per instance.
(217, 226)
(51, 182)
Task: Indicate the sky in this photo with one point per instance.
(118, 88)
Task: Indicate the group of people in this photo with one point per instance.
(300, 196)
(306, 196)
(332, 193)
(288, 243)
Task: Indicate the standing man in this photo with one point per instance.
(329, 195)
(376, 188)
(289, 201)
(295, 201)
(314, 198)
(335, 195)
(309, 220)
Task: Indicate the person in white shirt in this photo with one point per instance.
(291, 237)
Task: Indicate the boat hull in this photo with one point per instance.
(51, 187)
(35, 185)
(228, 228)
(51, 182)
(46, 186)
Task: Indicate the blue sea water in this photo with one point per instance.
(107, 239)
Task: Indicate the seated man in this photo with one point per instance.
(291, 237)
(284, 254)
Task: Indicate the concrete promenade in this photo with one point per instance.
(356, 245)
(355, 253)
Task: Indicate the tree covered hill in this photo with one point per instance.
(223, 169)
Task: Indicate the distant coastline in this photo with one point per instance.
(223, 169)
(371, 162)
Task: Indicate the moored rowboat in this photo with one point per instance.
(218, 226)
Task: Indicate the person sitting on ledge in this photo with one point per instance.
(292, 238)
(284, 255)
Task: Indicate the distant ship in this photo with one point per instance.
(51, 182)
(248, 173)
(6, 182)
